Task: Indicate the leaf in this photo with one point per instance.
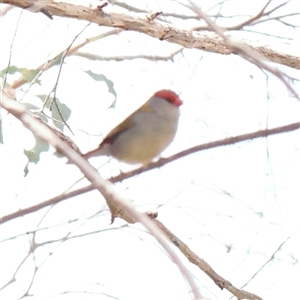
(33, 155)
(11, 70)
(28, 74)
(43, 98)
(30, 106)
(101, 77)
(64, 111)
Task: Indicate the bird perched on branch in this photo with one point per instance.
(145, 133)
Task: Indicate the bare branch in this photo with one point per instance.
(127, 57)
(269, 260)
(221, 282)
(243, 49)
(237, 26)
(207, 41)
(153, 165)
(57, 59)
(118, 205)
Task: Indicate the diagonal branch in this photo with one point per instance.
(66, 52)
(221, 282)
(207, 41)
(118, 205)
(153, 165)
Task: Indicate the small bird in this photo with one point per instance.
(145, 133)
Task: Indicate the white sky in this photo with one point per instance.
(244, 196)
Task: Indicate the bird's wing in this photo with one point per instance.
(124, 125)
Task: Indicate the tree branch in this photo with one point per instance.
(118, 205)
(207, 41)
(221, 282)
(153, 165)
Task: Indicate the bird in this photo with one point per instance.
(145, 133)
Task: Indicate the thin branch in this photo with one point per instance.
(57, 59)
(257, 18)
(269, 260)
(221, 282)
(118, 205)
(250, 53)
(237, 26)
(54, 89)
(127, 57)
(154, 165)
(207, 41)
(11, 47)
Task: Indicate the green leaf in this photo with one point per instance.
(12, 70)
(64, 111)
(30, 106)
(33, 154)
(108, 82)
(28, 74)
(43, 97)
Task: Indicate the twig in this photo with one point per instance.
(221, 282)
(117, 204)
(243, 49)
(207, 41)
(154, 165)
